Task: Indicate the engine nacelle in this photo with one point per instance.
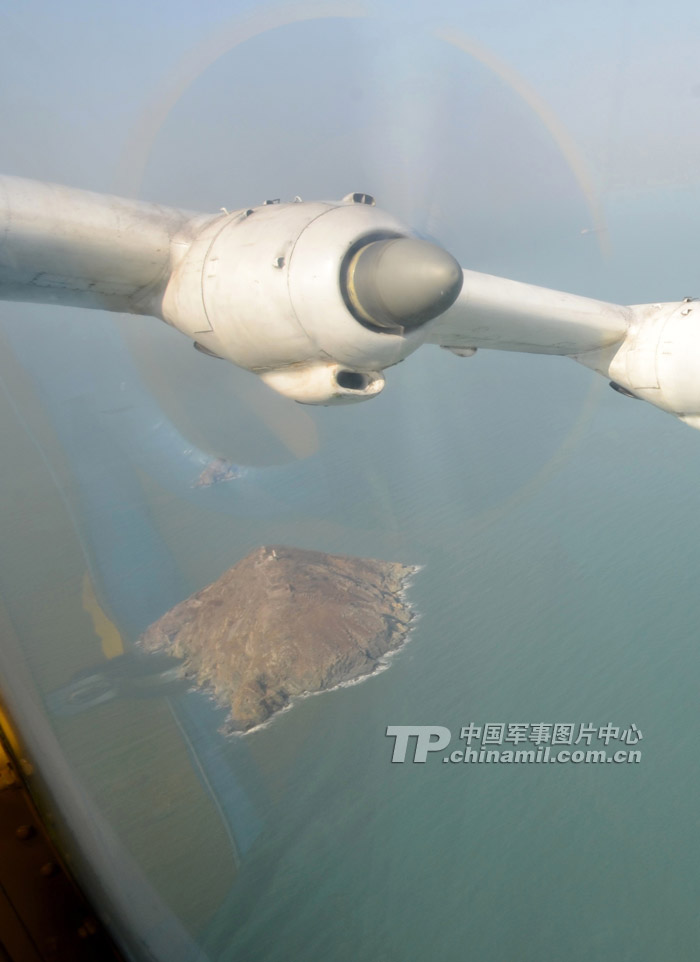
(659, 359)
(262, 288)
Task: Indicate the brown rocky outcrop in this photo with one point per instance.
(282, 622)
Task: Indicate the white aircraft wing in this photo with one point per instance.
(506, 315)
(320, 298)
(61, 245)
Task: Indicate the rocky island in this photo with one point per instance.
(284, 622)
(217, 471)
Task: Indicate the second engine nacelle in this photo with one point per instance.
(659, 359)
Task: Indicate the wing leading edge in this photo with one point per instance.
(493, 312)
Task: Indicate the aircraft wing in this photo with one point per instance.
(319, 298)
(60, 245)
(506, 315)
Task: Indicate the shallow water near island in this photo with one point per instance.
(558, 585)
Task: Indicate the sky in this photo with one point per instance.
(624, 77)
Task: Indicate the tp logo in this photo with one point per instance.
(430, 738)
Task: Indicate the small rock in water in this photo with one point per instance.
(215, 472)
